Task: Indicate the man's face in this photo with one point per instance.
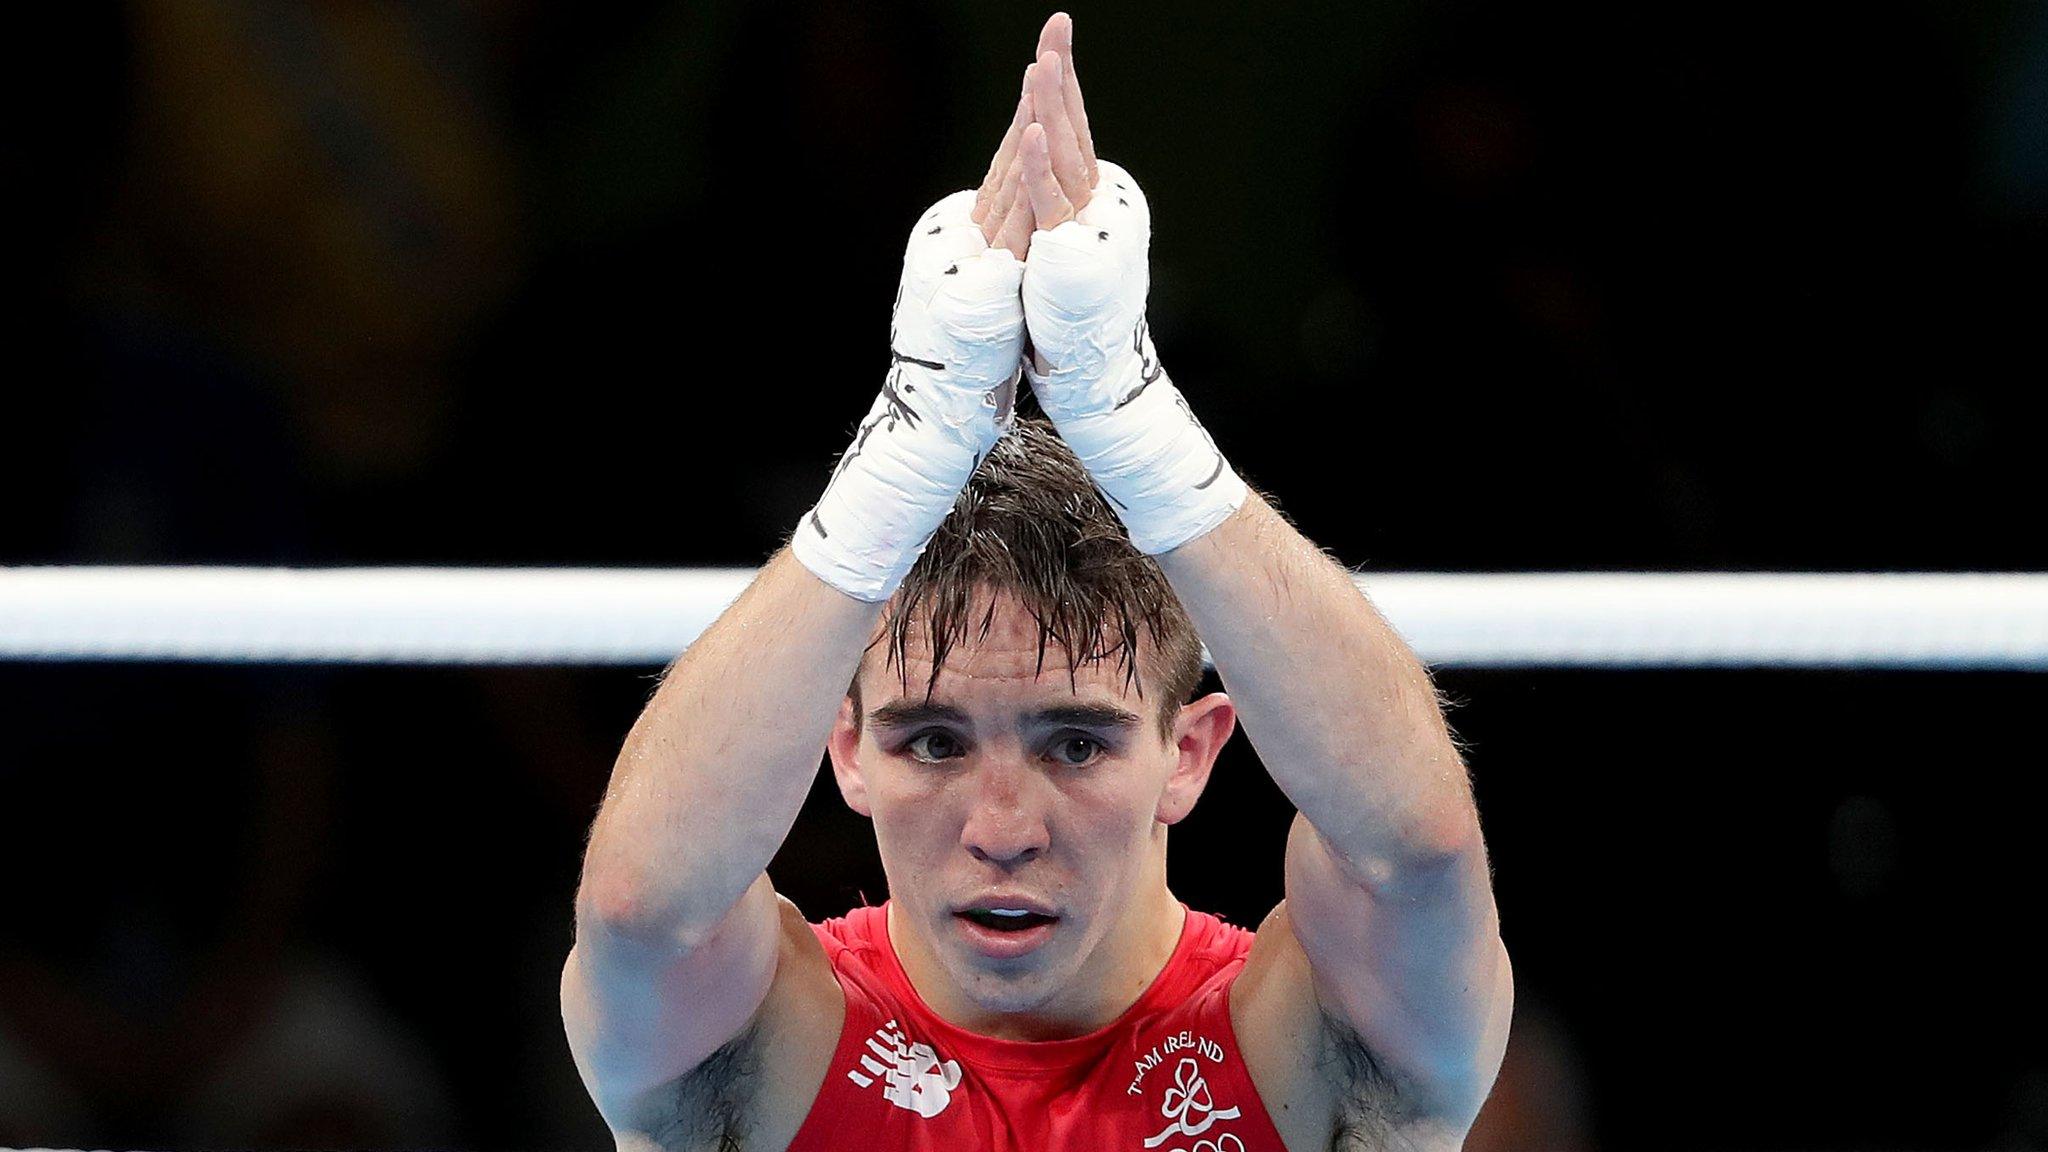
(1015, 790)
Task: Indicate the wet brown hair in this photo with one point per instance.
(1032, 524)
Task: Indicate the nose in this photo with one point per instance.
(1006, 823)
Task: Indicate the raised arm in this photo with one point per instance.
(676, 925)
(1388, 892)
(680, 940)
(1386, 954)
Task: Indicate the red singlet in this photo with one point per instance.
(1165, 1076)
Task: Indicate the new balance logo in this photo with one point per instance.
(912, 1075)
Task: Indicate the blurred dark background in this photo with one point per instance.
(1472, 285)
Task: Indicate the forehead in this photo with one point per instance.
(1004, 659)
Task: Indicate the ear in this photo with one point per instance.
(1199, 733)
(843, 746)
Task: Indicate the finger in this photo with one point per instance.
(1007, 193)
(1006, 152)
(1058, 36)
(1000, 206)
(1049, 202)
(1050, 107)
(1054, 32)
(1018, 224)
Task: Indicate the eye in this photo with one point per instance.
(932, 747)
(1076, 750)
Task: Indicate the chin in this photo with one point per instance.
(1006, 987)
(1009, 995)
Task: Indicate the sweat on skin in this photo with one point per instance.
(1387, 943)
(1023, 793)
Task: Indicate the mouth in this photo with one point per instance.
(1005, 932)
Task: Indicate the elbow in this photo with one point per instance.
(615, 910)
(1442, 851)
(657, 916)
(1446, 838)
(1416, 857)
(607, 903)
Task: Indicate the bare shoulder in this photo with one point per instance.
(1279, 1030)
(755, 1091)
(1317, 1077)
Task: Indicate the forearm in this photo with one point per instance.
(1341, 712)
(713, 774)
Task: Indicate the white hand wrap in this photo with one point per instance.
(956, 339)
(1084, 303)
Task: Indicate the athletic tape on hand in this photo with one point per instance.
(955, 340)
(1085, 284)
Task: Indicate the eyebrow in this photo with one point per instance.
(904, 713)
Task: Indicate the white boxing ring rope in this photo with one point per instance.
(646, 616)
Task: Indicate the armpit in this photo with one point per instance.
(709, 1108)
(1375, 1108)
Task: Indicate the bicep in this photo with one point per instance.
(640, 1016)
(1414, 968)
